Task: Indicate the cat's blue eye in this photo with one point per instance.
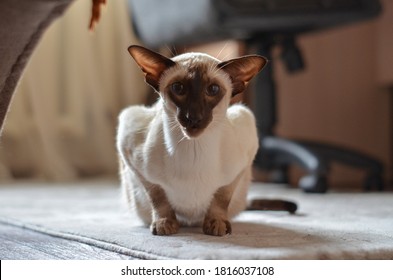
(177, 88)
(213, 90)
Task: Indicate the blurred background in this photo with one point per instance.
(62, 123)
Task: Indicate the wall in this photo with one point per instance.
(343, 96)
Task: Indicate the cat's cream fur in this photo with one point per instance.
(197, 175)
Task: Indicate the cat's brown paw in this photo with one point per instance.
(217, 227)
(164, 226)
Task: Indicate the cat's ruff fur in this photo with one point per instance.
(155, 150)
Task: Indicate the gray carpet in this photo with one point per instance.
(327, 226)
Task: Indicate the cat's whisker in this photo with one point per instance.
(226, 56)
(222, 49)
(182, 139)
(217, 69)
(174, 48)
(170, 50)
(210, 67)
(213, 68)
(173, 124)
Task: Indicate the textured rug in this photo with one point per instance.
(327, 226)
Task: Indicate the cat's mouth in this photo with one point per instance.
(191, 130)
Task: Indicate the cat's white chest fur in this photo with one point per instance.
(189, 170)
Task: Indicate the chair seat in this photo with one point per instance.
(188, 22)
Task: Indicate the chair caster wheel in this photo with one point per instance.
(314, 183)
(374, 181)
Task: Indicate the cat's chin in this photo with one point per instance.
(192, 133)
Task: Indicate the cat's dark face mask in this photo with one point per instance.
(195, 96)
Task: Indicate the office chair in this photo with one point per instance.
(263, 24)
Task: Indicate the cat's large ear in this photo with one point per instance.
(152, 64)
(242, 69)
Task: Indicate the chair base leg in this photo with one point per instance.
(278, 154)
(356, 159)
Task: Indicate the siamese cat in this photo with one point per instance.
(187, 159)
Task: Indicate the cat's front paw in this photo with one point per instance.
(216, 227)
(164, 226)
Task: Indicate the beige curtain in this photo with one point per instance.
(62, 122)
